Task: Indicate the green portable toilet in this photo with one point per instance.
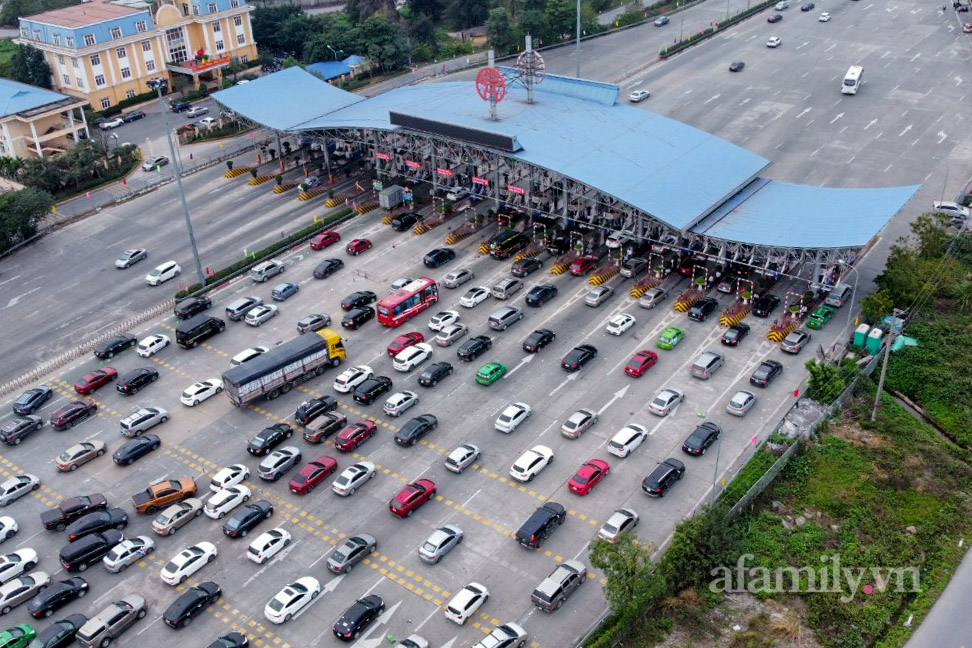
(860, 335)
(873, 344)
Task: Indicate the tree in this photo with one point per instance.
(876, 305)
(932, 237)
(19, 213)
(628, 568)
(499, 29)
(431, 8)
(825, 383)
(266, 22)
(383, 44)
(561, 17)
(421, 29)
(533, 22)
(28, 65)
(463, 14)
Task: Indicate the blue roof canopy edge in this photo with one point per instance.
(605, 94)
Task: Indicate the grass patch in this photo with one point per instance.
(7, 50)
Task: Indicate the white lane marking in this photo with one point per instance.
(15, 300)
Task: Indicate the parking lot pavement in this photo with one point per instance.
(485, 501)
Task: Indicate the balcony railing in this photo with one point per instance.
(201, 65)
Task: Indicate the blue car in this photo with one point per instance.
(31, 400)
(284, 290)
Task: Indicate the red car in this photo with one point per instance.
(412, 497)
(354, 435)
(72, 414)
(312, 474)
(640, 363)
(95, 379)
(587, 476)
(324, 239)
(404, 341)
(583, 265)
(357, 246)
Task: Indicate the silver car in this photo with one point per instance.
(598, 296)
(16, 487)
(128, 553)
(653, 297)
(130, 257)
(740, 403)
(23, 588)
(278, 462)
(795, 341)
(578, 423)
(462, 457)
(111, 622)
(177, 516)
(260, 314)
(442, 541)
(450, 334)
(665, 400)
(457, 278)
(144, 419)
(350, 552)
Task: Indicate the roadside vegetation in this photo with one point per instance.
(82, 167)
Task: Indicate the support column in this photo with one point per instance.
(9, 140)
(33, 132)
(815, 278)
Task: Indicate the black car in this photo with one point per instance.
(191, 603)
(358, 299)
(807, 6)
(96, 522)
(737, 66)
(78, 556)
(179, 106)
(192, 306)
(558, 245)
(735, 334)
(136, 449)
(438, 257)
(355, 317)
(541, 524)
(311, 409)
(359, 616)
(60, 634)
(701, 310)
(371, 389)
(775, 18)
(31, 400)
(541, 295)
(473, 348)
(403, 221)
(538, 339)
(130, 383)
(765, 373)
(135, 115)
(765, 305)
(69, 510)
(434, 373)
(327, 267)
(269, 438)
(662, 477)
(578, 357)
(418, 427)
(703, 436)
(246, 517)
(57, 595)
(19, 429)
(313, 322)
(523, 267)
(117, 344)
(231, 640)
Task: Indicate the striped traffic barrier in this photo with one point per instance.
(367, 207)
(260, 180)
(307, 195)
(232, 173)
(526, 254)
(777, 333)
(279, 189)
(484, 249)
(332, 202)
(686, 300)
(386, 220)
(559, 268)
(730, 318)
(600, 277)
(455, 237)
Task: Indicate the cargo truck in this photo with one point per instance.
(277, 371)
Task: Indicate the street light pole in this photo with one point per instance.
(159, 86)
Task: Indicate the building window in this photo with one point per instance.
(238, 21)
(130, 94)
(146, 46)
(234, 3)
(100, 81)
(244, 59)
(176, 43)
(212, 7)
(37, 35)
(69, 41)
(106, 103)
(219, 46)
(89, 40)
(60, 59)
(240, 39)
(74, 62)
(126, 73)
(150, 66)
(25, 32)
(66, 79)
(216, 27)
(116, 32)
(57, 39)
(95, 59)
(140, 26)
(195, 10)
(121, 53)
(80, 82)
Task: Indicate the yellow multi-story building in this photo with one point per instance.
(36, 123)
(108, 51)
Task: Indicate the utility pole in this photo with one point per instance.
(887, 355)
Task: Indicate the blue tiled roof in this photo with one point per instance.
(17, 97)
(328, 70)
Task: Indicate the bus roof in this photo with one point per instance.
(408, 290)
(854, 71)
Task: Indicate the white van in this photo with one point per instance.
(162, 273)
(839, 295)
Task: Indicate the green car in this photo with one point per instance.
(490, 373)
(17, 636)
(820, 316)
(670, 338)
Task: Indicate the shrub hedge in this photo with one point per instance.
(705, 33)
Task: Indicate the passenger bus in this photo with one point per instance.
(852, 80)
(407, 302)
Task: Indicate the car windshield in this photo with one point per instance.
(580, 479)
(276, 605)
(428, 547)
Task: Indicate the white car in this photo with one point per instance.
(512, 416)
(248, 354)
(267, 545)
(474, 296)
(111, 123)
(951, 209)
(620, 323)
(348, 379)
(457, 278)
(200, 391)
(229, 476)
(152, 345)
(461, 458)
(207, 121)
(508, 635)
(824, 17)
(443, 319)
(398, 402)
(627, 440)
(17, 563)
(412, 356)
(187, 562)
(464, 604)
(161, 274)
(531, 463)
(16, 487)
(620, 521)
(413, 641)
(618, 239)
(451, 333)
(774, 41)
(261, 314)
(665, 400)
(638, 95)
(292, 599)
(8, 528)
(128, 552)
(353, 477)
(224, 501)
